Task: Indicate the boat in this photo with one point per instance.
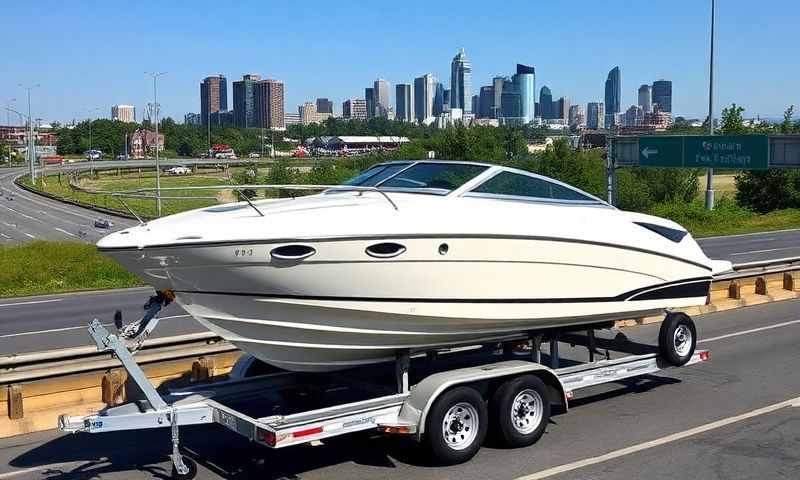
(411, 255)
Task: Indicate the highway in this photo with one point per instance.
(734, 417)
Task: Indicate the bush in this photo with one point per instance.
(765, 191)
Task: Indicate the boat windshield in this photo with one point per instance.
(375, 175)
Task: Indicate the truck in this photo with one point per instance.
(447, 398)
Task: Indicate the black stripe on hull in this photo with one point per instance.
(688, 288)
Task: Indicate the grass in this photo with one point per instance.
(40, 267)
(727, 218)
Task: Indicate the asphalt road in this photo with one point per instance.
(735, 417)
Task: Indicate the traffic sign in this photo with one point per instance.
(741, 152)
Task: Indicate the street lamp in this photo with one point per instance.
(710, 173)
(31, 140)
(155, 76)
(8, 107)
(91, 145)
(21, 120)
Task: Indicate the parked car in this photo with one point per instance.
(121, 156)
(103, 223)
(179, 171)
(94, 154)
(254, 155)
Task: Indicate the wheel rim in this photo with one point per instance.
(460, 426)
(526, 411)
(682, 339)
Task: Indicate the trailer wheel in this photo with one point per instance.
(190, 464)
(456, 426)
(677, 338)
(520, 410)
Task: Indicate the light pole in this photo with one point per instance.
(710, 173)
(31, 140)
(21, 120)
(8, 112)
(91, 144)
(155, 76)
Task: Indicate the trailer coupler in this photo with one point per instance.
(135, 333)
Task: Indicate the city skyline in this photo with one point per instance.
(676, 49)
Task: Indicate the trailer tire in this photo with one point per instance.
(677, 338)
(190, 464)
(456, 426)
(519, 411)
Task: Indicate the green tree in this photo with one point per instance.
(732, 122)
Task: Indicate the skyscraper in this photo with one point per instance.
(369, 97)
(424, 88)
(645, 98)
(324, 106)
(213, 96)
(613, 96)
(561, 109)
(576, 116)
(354, 109)
(461, 82)
(510, 104)
(244, 106)
(308, 113)
(476, 105)
(404, 102)
(438, 99)
(497, 83)
(662, 95)
(486, 102)
(380, 91)
(546, 103)
(525, 83)
(268, 96)
(595, 115)
(123, 113)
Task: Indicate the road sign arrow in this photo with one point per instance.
(647, 151)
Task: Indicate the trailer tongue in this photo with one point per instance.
(451, 407)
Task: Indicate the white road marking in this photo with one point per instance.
(65, 232)
(750, 234)
(20, 213)
(66, 329)
(763, 251)
(4, 235)
(29, 235)
(794, 402)
(32, 302)
(752, 330)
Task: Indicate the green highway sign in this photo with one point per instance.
(745, 152)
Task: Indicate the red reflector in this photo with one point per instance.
(570, 395)
(705, 356)
(265, 436)
(306, 432)
(399, 430)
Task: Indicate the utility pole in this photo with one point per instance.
(155, 76)
(31, 140)
(710, 173)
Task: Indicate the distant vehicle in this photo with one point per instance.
(121, 156)
(254, 155)
(179, 171)
(52, 159)
(103, 223)
(93, 154)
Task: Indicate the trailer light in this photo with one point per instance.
(705, 356)
(569, 395)
(400, 430)
(306, 432)
(266, 436)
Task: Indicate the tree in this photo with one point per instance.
(732, 122)
(786, 125)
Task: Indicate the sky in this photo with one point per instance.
(89, 55)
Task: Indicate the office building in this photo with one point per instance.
(561, 110)
(595, 116)
(424, 90)
(613, 96)
(213, 96)
(446, 101)
(546, 103)
(576, 116)
(291, 118)
(354, 109)
(192, 119)
(222, 118)
(510, 104)
(476, 105)
(633, 117)
(438, 99)
(244, 105)
(123, 113)
(645, 98)
(380, 92)
(404, 102)
(269, 104)
(497, 83)
(369, 96)
(662, 95)
(324, 106)
(461, 83)
(486, 102)
(525, 84)
(308, 113)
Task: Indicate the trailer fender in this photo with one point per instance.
(416, 407)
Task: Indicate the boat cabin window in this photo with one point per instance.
(375, 175)
(435, 176)
(509, 183)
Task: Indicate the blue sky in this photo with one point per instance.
(92, 54)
